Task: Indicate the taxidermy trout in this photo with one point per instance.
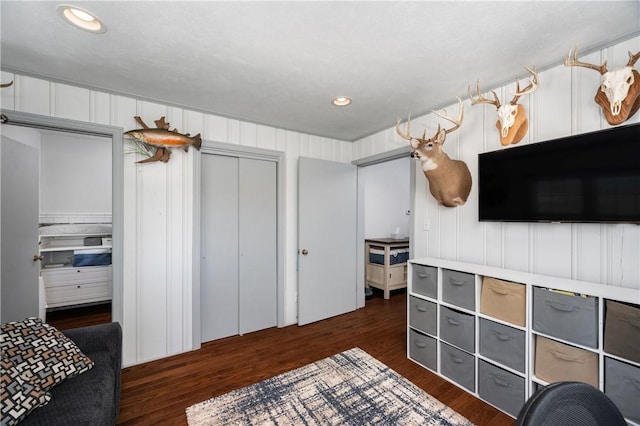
(165, 138)
(156, 143)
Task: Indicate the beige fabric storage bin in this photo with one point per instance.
(504, 300)
(622, 330)
(557, 362)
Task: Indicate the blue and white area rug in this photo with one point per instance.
(350, 388)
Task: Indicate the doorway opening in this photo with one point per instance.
(60, 190)
(386, 186)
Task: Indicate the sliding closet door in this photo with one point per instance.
(257, 212)
(239, 246)
(219, 248)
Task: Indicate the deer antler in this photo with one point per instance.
(481, 99)
(533, 85)
(573, 62)
(407, 134)
(633, 59)
(457, 122)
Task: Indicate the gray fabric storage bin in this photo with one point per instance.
(458, 365)
(423, 315)
(572, 318)
(622, 385)
(502, 344)
(423, 349)
(501, 388)
(458, 328)
(459, 288)
(424, 280)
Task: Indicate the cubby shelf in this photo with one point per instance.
(539, 329)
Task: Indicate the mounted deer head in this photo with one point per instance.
(512, 118)
(619, 92)
(449, 180)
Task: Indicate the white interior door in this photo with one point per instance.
(19, 230)
(257, 245)
(219, 250)
(327, 194)
(239, 246)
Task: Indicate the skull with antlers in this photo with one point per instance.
(619, 92)
(512, 118)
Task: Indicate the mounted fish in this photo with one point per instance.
(157, 143)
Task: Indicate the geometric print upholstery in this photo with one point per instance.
(41, 353)
(18, 395)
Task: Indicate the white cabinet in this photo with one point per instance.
(501, 334)
(386, 263)
(76, 264)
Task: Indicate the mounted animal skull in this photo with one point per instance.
(512, 118)
(449, 180)
(619, 92)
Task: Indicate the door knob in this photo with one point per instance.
(37, 257)
(305, 252)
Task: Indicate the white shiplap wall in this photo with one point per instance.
(563, 105)
(159, 204)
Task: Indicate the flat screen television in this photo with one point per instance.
(590, 177)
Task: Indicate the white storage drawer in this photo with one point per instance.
(423, 315)
(79, 293)
(568, 317)
(73, 286)
(82, 275)
(459, 288)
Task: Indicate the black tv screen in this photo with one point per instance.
(590, 177)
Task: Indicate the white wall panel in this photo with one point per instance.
(552, 249)
(266, 137)
(587, 251)
(100, 107)
(551, 117)
(215, 128)
(471, 232)
(73, 103)
(152, 279)
(32, 95)
(248, 134)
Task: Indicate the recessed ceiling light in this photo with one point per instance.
(341, 101)
(81, 18)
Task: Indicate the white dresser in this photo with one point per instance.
(76, 264)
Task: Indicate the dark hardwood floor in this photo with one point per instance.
(158, 392)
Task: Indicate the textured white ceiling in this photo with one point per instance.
(281, 63)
